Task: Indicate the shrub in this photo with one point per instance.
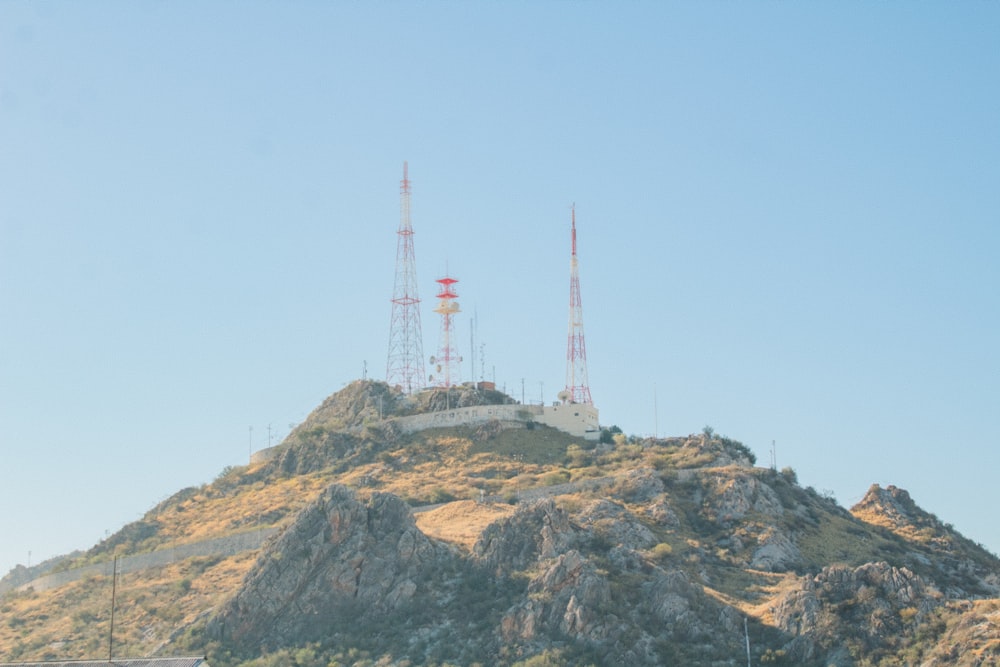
(608, 434)
(576, 457)
(556, 477)
(661, 551)
(439, 495)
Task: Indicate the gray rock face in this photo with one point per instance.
(641, 485)
(587, 577)
(568, 597)
(734, 497)
(616, 525)
(869, 598)
(538, 530)
(340, 557)
(776, 552)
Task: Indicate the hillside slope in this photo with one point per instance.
(518, 546)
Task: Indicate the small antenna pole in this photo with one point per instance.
(251, 444)
(746, 633)
(656, 414)
(114, 590)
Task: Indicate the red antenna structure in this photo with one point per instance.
(577, 387)
(405, 364)
(446, 362)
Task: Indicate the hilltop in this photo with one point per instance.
(355, 543)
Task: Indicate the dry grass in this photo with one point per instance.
(72, 622)
(462, 522)
(206, 515)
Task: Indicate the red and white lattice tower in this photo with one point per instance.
(447, 360)
(577, 386)
(405, 365)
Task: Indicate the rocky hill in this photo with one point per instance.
(519, 545)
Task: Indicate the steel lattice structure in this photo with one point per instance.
(577, 385)
(405, 364)
(447, 360)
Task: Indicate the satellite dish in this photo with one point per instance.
(564, 396)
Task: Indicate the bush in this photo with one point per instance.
(556, 477)
(576, 457)
(439, 495)
(608, 434)
(661, 551)
(739, 447)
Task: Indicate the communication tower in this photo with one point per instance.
(577, 387)
(405, 364)
(446, 362)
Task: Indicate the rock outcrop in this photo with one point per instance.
(644, 552)
(539, 530)
(340, 558)
(869, 604)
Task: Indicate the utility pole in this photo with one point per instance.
(746, 633)
(114, 590)
(656, 414)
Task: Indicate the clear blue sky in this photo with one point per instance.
(788, 214)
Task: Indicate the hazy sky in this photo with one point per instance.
(788, 217)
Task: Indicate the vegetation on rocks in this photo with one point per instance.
(498, 545)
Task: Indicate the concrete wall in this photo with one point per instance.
(575, 419)
(220, 546)
(475, 414)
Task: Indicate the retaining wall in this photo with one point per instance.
(229, 545)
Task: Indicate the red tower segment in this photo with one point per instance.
(446, 362)
(577, 385)
(405, 363)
